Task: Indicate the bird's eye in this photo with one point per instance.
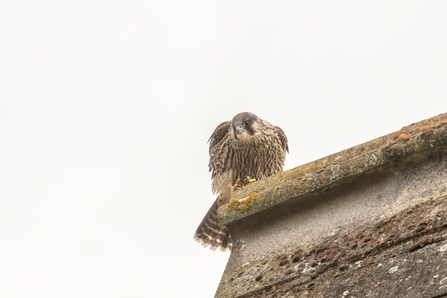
(245, 123)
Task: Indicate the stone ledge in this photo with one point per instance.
(324, 228)
(427, 135)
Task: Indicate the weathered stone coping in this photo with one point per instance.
(419, 138)
(369, 221)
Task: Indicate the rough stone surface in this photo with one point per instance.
(370, 221)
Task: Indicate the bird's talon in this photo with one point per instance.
(248, 179)
(237, 184)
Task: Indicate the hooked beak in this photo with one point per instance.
(239, 129)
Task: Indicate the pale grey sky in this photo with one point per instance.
(106, 108)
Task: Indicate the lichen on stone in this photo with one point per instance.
(243, 205)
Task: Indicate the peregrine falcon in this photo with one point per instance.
(245, 147)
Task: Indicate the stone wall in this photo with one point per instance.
(369, 221)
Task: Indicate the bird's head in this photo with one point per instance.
(245, 126)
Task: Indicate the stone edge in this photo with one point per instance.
(424, 136)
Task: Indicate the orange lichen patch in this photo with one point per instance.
(403, 136)
(424, 128)
(243, 205)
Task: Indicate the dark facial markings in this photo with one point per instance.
(248, 126)
(243, 121)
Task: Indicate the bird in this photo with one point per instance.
(242, 150)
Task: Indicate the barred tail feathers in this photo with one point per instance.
(210, 233)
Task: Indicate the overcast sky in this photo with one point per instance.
(106, 108)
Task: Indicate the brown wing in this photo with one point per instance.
(219, 152)
(218, 134)
(282, 138)
(209, 231)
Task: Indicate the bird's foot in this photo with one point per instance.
(248, 179)
(237, 185)
(240, 183)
